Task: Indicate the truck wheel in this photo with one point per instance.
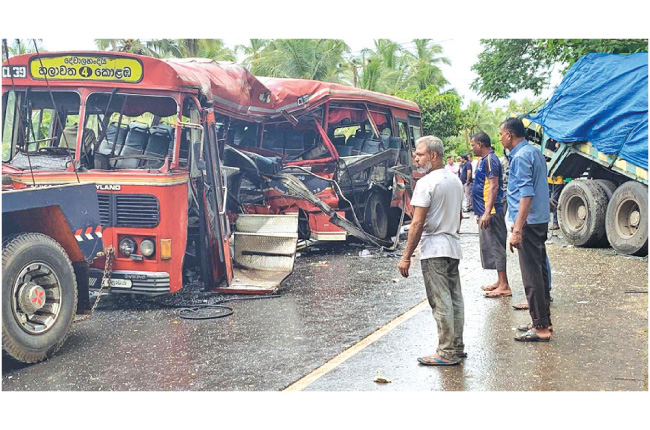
(581, 212)
(39, 296)
(608, 186)
(627, 219)
(377, 215)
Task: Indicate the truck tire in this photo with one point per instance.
(39, 296)
(608, 186)
(627, 219)
(581, 212)
(376, 215)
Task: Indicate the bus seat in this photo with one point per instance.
(136, 141)
(370, 146)
(338, 141)
(68, 138)
(107, 142)
(356, 143)
(158, 144)
(344, 150)
(395, 142)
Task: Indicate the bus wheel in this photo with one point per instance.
(376, 215)
(39, 296)
(627, 219)
(581, 212)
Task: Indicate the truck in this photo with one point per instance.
(50, 236)
(593, 131)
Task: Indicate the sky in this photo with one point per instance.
(457, 26)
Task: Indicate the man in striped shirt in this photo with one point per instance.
(487, 196)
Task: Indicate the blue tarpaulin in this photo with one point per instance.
(603, 99)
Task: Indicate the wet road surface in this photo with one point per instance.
(336, 298)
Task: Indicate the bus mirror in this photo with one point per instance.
(198, 156)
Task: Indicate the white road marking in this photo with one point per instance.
(361, 345)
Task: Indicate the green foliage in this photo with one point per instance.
(441, 113)
(19, 47)
(317, 59)
(390, 68)
(570, 50)
(170, 48)
(507, 66)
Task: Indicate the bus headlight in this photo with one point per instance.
(147, 248)
(127, 246)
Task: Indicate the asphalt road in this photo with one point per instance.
(331, 330)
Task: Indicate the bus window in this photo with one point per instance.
(34, 129)
(402, 129)
(134, 131)
(10, 122)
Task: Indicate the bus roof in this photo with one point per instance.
(301, 94)
(234, 88)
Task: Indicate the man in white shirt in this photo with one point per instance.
(437, 202)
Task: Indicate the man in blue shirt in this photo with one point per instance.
(487, 195)
(466, 178)
(528, 208)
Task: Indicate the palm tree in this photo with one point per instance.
(318, 59)
(205, 48)
(166, 48)
(18, 47)
(134, 46)
(423, 64)
(479, 117)
(252, 52)
(382, 68)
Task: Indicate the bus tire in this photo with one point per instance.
(36, 315)
(581, 212)
(376, 215)
(627, 219)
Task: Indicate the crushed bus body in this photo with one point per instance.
(148, 133)
(339, 157)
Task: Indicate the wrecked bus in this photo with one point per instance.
(337, 156)
(146, 131)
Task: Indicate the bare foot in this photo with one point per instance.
(490, 287)
(499, 292)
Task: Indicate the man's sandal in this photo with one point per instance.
(529, 326)
(531, 336)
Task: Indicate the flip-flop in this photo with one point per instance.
(490, 296)
(489, 288)
(521, 307)
(531, 336)
(436, 361)
(528, 326)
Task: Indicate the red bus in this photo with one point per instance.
(350, 150)
(150, 134)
